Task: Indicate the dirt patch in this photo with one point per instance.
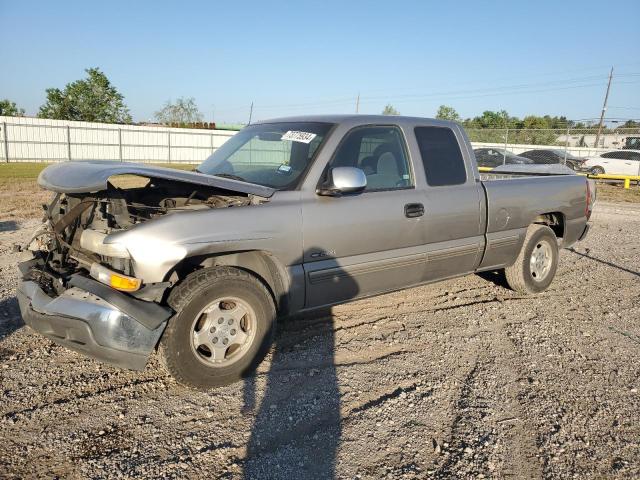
(460, 379)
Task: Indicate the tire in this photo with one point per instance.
(597, 170)
(537, 262)
(210, 306)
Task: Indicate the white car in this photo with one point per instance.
(616, 162)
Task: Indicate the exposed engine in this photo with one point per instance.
(73, 222)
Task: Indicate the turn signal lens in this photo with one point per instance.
(114, 279)
(126, 284)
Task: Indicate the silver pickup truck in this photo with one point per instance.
(287, 216)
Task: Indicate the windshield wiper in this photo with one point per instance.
(229, 175)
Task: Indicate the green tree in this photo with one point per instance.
(490, 119)
(183, 111)
(630, 124)
(448, 113)
(390, 110)
(92, 99)
(10, 109)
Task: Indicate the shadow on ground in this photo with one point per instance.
(297, 427)
(604, 262)
(10, 318)
(9, 226)
(496, 277)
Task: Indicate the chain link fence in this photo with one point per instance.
(568, 145)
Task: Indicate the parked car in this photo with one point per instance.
(617, 162)
(632, 143)
(287, 216)
(494, 157)
(555, 156)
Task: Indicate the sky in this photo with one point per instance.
(290, 58)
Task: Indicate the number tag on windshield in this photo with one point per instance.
(296, 136)
(284, 169)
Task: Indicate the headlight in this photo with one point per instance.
(93, 241)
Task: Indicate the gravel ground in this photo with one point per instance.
(459, 379)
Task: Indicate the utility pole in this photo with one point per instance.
(604, 109)
(250, 113)
(358, 103)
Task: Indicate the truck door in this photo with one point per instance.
(373, 241)
(454, 219)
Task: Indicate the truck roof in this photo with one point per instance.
(359, 119)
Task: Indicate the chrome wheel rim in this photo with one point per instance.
(223, 331)
(540, 262)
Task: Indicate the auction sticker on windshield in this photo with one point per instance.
(296, 136)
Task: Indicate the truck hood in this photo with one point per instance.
(92, 176)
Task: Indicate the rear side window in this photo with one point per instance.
(441, 156)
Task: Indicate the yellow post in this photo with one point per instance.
(627, 183)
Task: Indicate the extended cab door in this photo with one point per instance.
(454, 201)
(373, 241)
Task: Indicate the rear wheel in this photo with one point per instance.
(537, 262)
(222, 328)
(597, 170)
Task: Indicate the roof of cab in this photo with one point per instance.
(358, 119)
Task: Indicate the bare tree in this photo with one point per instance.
(182, 111)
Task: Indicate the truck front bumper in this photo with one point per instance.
(86, 320)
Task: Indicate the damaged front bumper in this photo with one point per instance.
(94, 319)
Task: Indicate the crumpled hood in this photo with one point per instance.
(92, 176)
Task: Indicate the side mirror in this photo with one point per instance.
(343, 180)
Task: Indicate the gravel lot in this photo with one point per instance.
(463, 378)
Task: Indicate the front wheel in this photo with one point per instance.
(537, 262)
(222, 328)
(597, 171)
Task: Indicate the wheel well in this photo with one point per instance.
(258, 263)
(554, 220)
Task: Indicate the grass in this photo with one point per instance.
(21, 197)
(616, 193)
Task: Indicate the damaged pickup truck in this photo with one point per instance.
(287, 216)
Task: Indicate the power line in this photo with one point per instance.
(579, 82)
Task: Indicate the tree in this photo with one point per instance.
(630, 124)
(183, 111)
(10, 109)
(448, 113)
(389, 110)
(93, 99)
(490, 119)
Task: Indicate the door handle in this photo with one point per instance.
(413, 210)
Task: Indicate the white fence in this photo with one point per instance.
(25, 139)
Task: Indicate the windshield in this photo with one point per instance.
(273, 154)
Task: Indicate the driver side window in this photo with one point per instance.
(379, 151)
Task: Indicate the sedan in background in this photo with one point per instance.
(548, 157)
(617, 162)
(494, 157)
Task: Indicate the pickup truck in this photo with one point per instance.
(287, 216)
